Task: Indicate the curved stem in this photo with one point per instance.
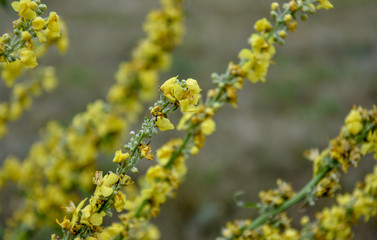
(289, 203)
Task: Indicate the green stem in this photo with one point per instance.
(138, 211)
(262, 219)
(180, 149)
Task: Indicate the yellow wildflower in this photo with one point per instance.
(190, 97)
(371, 144)
(53, 24)
(11, 71)
(164, 124)
(274, 6)
(326, 4)
(155, 173)
(65, 224)
(26, 36)
(353, 122)
(168, 88)
(105, 188)
(28, 58)
(120, 157)
(120, 201)
(258, 59)
(145, 150)
(25, 8)
(263, 25)
(38, 23)
(187, 97)
(208, 126)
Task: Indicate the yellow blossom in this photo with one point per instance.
(28, 58)
(26, 36)
(38, 23)
(168, 88)
(53, 24)
(11, 71)
(105, 188)
(353, 122)
(145, 150)
(208, 126)
(120, 157)
(120, 201)
(263, 25)
(164, 124)
(326, 4)
(187, 97)
(274, 6)
(65, 224)
(25, 8)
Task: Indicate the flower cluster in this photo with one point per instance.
(22, 95)
(63, 160)
(65, 156)
(331, 223)
(161, 180)
(19, 51)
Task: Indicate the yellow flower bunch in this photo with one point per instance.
(66, 156)
(334, 222)
(19, 52)
(22, 95)
(162, 179)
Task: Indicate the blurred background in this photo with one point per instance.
(328, 65)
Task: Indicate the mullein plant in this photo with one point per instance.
(357, 138)
(19, 52)
(61, 163)
(162, 179)
(26, 31)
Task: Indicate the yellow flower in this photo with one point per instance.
(326, 4)
(155, 173)
(105, 188)
(120, 201)
(208, 126)
(28, 58)
(190, 97)
(53, 24)
(145, 150)
(187, 97)
(257, 60)
(11, 71)
(164, 124)
(38, 23)
(120, 157)
(26, 36)
(25, 8)
(168, 88)
(353, 122)
(263, 25)
(65, 224)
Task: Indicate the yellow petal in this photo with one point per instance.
(106, 191)
(164, 124)
(245, 53)
(16, 6)
(208, 126)
(110, 179)
(96, 219)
